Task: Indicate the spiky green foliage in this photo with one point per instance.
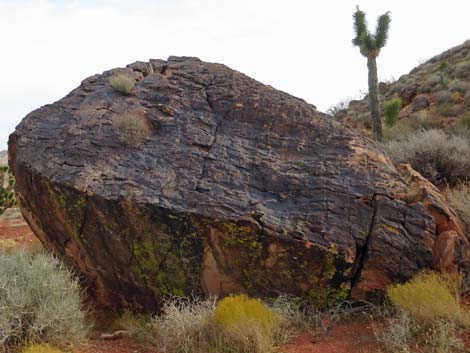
(392, 111)
(370, 44)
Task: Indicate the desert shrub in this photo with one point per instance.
(462, 126)
(186, 326)
(336, 108)
(392, 110)
(122, 83)
(435, 150)
(431, 83)
(39, 302)
(249, 322)
(443, 97)
(466, 100)
(403, 333)
(399, 333)
(462, 70)
(428, 297)
(236, 324)
(442, 337)
(7, 189)
(41, 348)
(133, 129)
(459, 197)
(459, 86)
(450, 110)
(239, 309)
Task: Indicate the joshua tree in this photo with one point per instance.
(370, 45)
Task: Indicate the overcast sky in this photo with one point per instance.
(301, 47)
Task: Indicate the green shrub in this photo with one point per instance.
(392, 111)
(429, 297)
(133, 129)
(39, 302)
(122, 83)
(7, 189)
(438, 156)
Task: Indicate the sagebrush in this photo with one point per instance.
(40, 302)
(440, 157)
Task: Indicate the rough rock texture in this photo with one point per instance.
(238, 187)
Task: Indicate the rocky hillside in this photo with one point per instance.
(435, 94)
(3, 158)
(180, 176)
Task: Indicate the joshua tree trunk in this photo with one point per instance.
(374, 98)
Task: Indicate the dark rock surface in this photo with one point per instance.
(237, 187)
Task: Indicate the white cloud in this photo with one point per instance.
(301, 47)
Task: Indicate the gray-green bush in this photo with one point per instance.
(39, 302)
(440, 157)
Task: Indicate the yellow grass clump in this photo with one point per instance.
(238, 310)
(430, 296)
(122, 83)
(41, 348)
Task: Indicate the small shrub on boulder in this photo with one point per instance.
(133, 129)
(122, 83)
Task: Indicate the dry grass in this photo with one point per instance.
(405, 335)
(133, 129)
(122, 83)
(459, 197)
(39, 302)
(428, 315)
(430, 296)
(236, 324)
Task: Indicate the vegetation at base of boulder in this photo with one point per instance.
(392, 111)
(405, 335)
(236, 324)
(439, 156)
(42, 348)
(122, 83)
(133, 129)
(459, 197)
(7, 189)
(369, 45)
(430, 296)
(40, 302)
(428, 315)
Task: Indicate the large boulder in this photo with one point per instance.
(232, 186)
